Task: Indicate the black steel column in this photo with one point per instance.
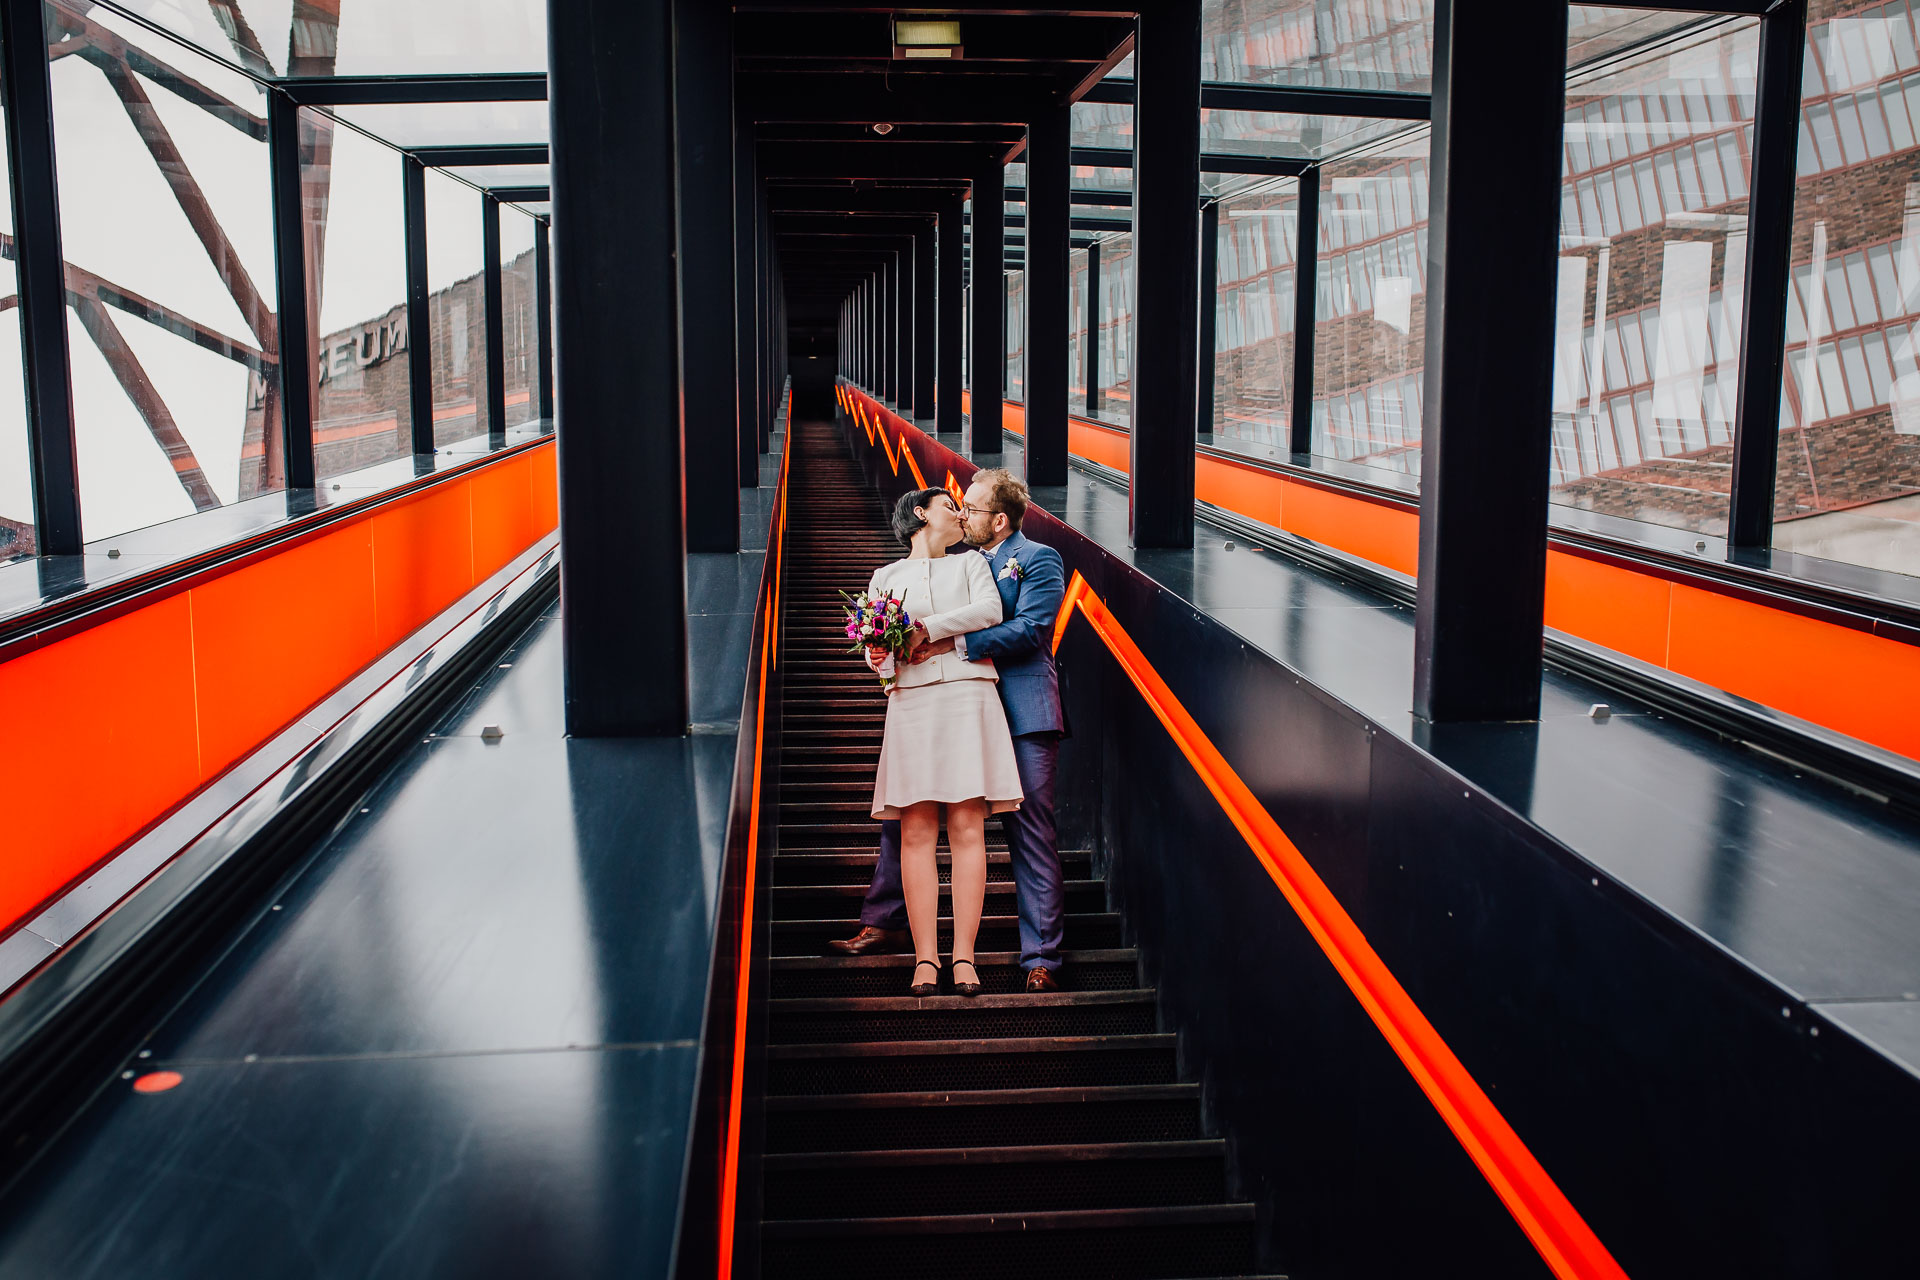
(763, 301)
(1209, 311)
(39, 263)
(543, 319)
(1498, 72)
(413, 175)
(704, 162)
(1763, 330)
(904, 346)
(745, 317)
(1049, 294)
(1166, 230)
(889, 328)
(952, 304)
(1093, 330)
(1306, 291)
(987, 371)
(623, 595)
(496, 323)
(925, 326)
(292, 313)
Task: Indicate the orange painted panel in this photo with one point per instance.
(1239, 490)
(273, 638)
(1609, 605)
(1098, 444)
(545, 481)
(502, 497)
(1860, 684)
(1013, 417)
(103, 723)
(422, 558)
(1384, 535)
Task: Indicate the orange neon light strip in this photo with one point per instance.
(893, 459)
(730, 1159)
(1562, 1236)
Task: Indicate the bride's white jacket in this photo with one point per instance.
(949, 596)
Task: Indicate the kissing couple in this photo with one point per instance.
(973, 727)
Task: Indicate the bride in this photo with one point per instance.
(946, 744)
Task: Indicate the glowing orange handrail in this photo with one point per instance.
(730, 1158)
(1562, 1236)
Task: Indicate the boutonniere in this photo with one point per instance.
(1012, 569)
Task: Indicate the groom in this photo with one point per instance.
(1032, 582)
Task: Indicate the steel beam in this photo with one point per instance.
(361, 90)
(987, 371)
(746, 314)
(1211, 162)
(1492, 268)
(1306, 292)
(456, 157)
(1166, 220)
(39, 258)
(413, 178)
(496, 320)
(1093, 331)
(952, 304)
(294, 308)
(1303, 100)
(543, 319)
(925, 325)
(907, 343)
(1204, 349)
(1769, 266)
(623, 596)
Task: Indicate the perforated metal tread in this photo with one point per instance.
(1005, 1135)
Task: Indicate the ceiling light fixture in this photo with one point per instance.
(883, 129)
(926, 38)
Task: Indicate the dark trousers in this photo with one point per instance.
(1034, 852)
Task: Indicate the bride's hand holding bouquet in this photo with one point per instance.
(881, 630)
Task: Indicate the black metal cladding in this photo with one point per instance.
(1306, 291)
(1166, 218)
(413, 178)
(1763, 330)
(292, 305)
(1048, 281)
(38, 258)
(623, 567)
(925, 324)
(987, 374)
(496, 322)
(703, 88)
(746, 321)
(903, 326)
(1492, 268)
(1093, 330)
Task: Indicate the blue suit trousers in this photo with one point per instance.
(1035, 854)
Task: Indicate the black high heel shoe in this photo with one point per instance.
(927, 988)
(966, 988)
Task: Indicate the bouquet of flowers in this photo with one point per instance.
(879, 624)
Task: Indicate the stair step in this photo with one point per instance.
(821, 901)
(997, 933)
(985, 1117)
(856, 868)
(1113, 969)
(815, 1019)
(868, 1066)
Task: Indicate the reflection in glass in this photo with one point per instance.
(1077, 332)
(1253, 320)
(1653, 243)
(1115, 341)
(1848, 480)
(519, 344)
(165, 215)
(1370, 305)
(1016, 336)
(356, 230)
(456, 258)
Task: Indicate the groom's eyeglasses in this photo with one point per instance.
(976, 511)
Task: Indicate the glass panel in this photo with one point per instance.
(1370, 312)
(455, 263)
(1848, 480)
(167, 224)
(356, 228)
(1116, 329)
(1077, 332)
(419, 37)
(1253, 320)
(1352, 44)
(1651, 284)
(504, 175)
(451, 124)
(1016, 336)
(519, 346)
(17, 535)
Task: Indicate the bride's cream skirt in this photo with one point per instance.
(947, 742)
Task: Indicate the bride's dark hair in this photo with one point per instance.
(905, 522)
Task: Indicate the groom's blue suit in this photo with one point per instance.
(1021, 648)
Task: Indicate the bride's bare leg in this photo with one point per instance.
(920, 878)
(967, 838)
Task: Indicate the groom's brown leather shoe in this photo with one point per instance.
(1039, 980)
(874, 942)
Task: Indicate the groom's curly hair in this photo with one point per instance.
(906, 522)
(1010, 496)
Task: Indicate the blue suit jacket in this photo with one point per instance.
(1022, 646)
